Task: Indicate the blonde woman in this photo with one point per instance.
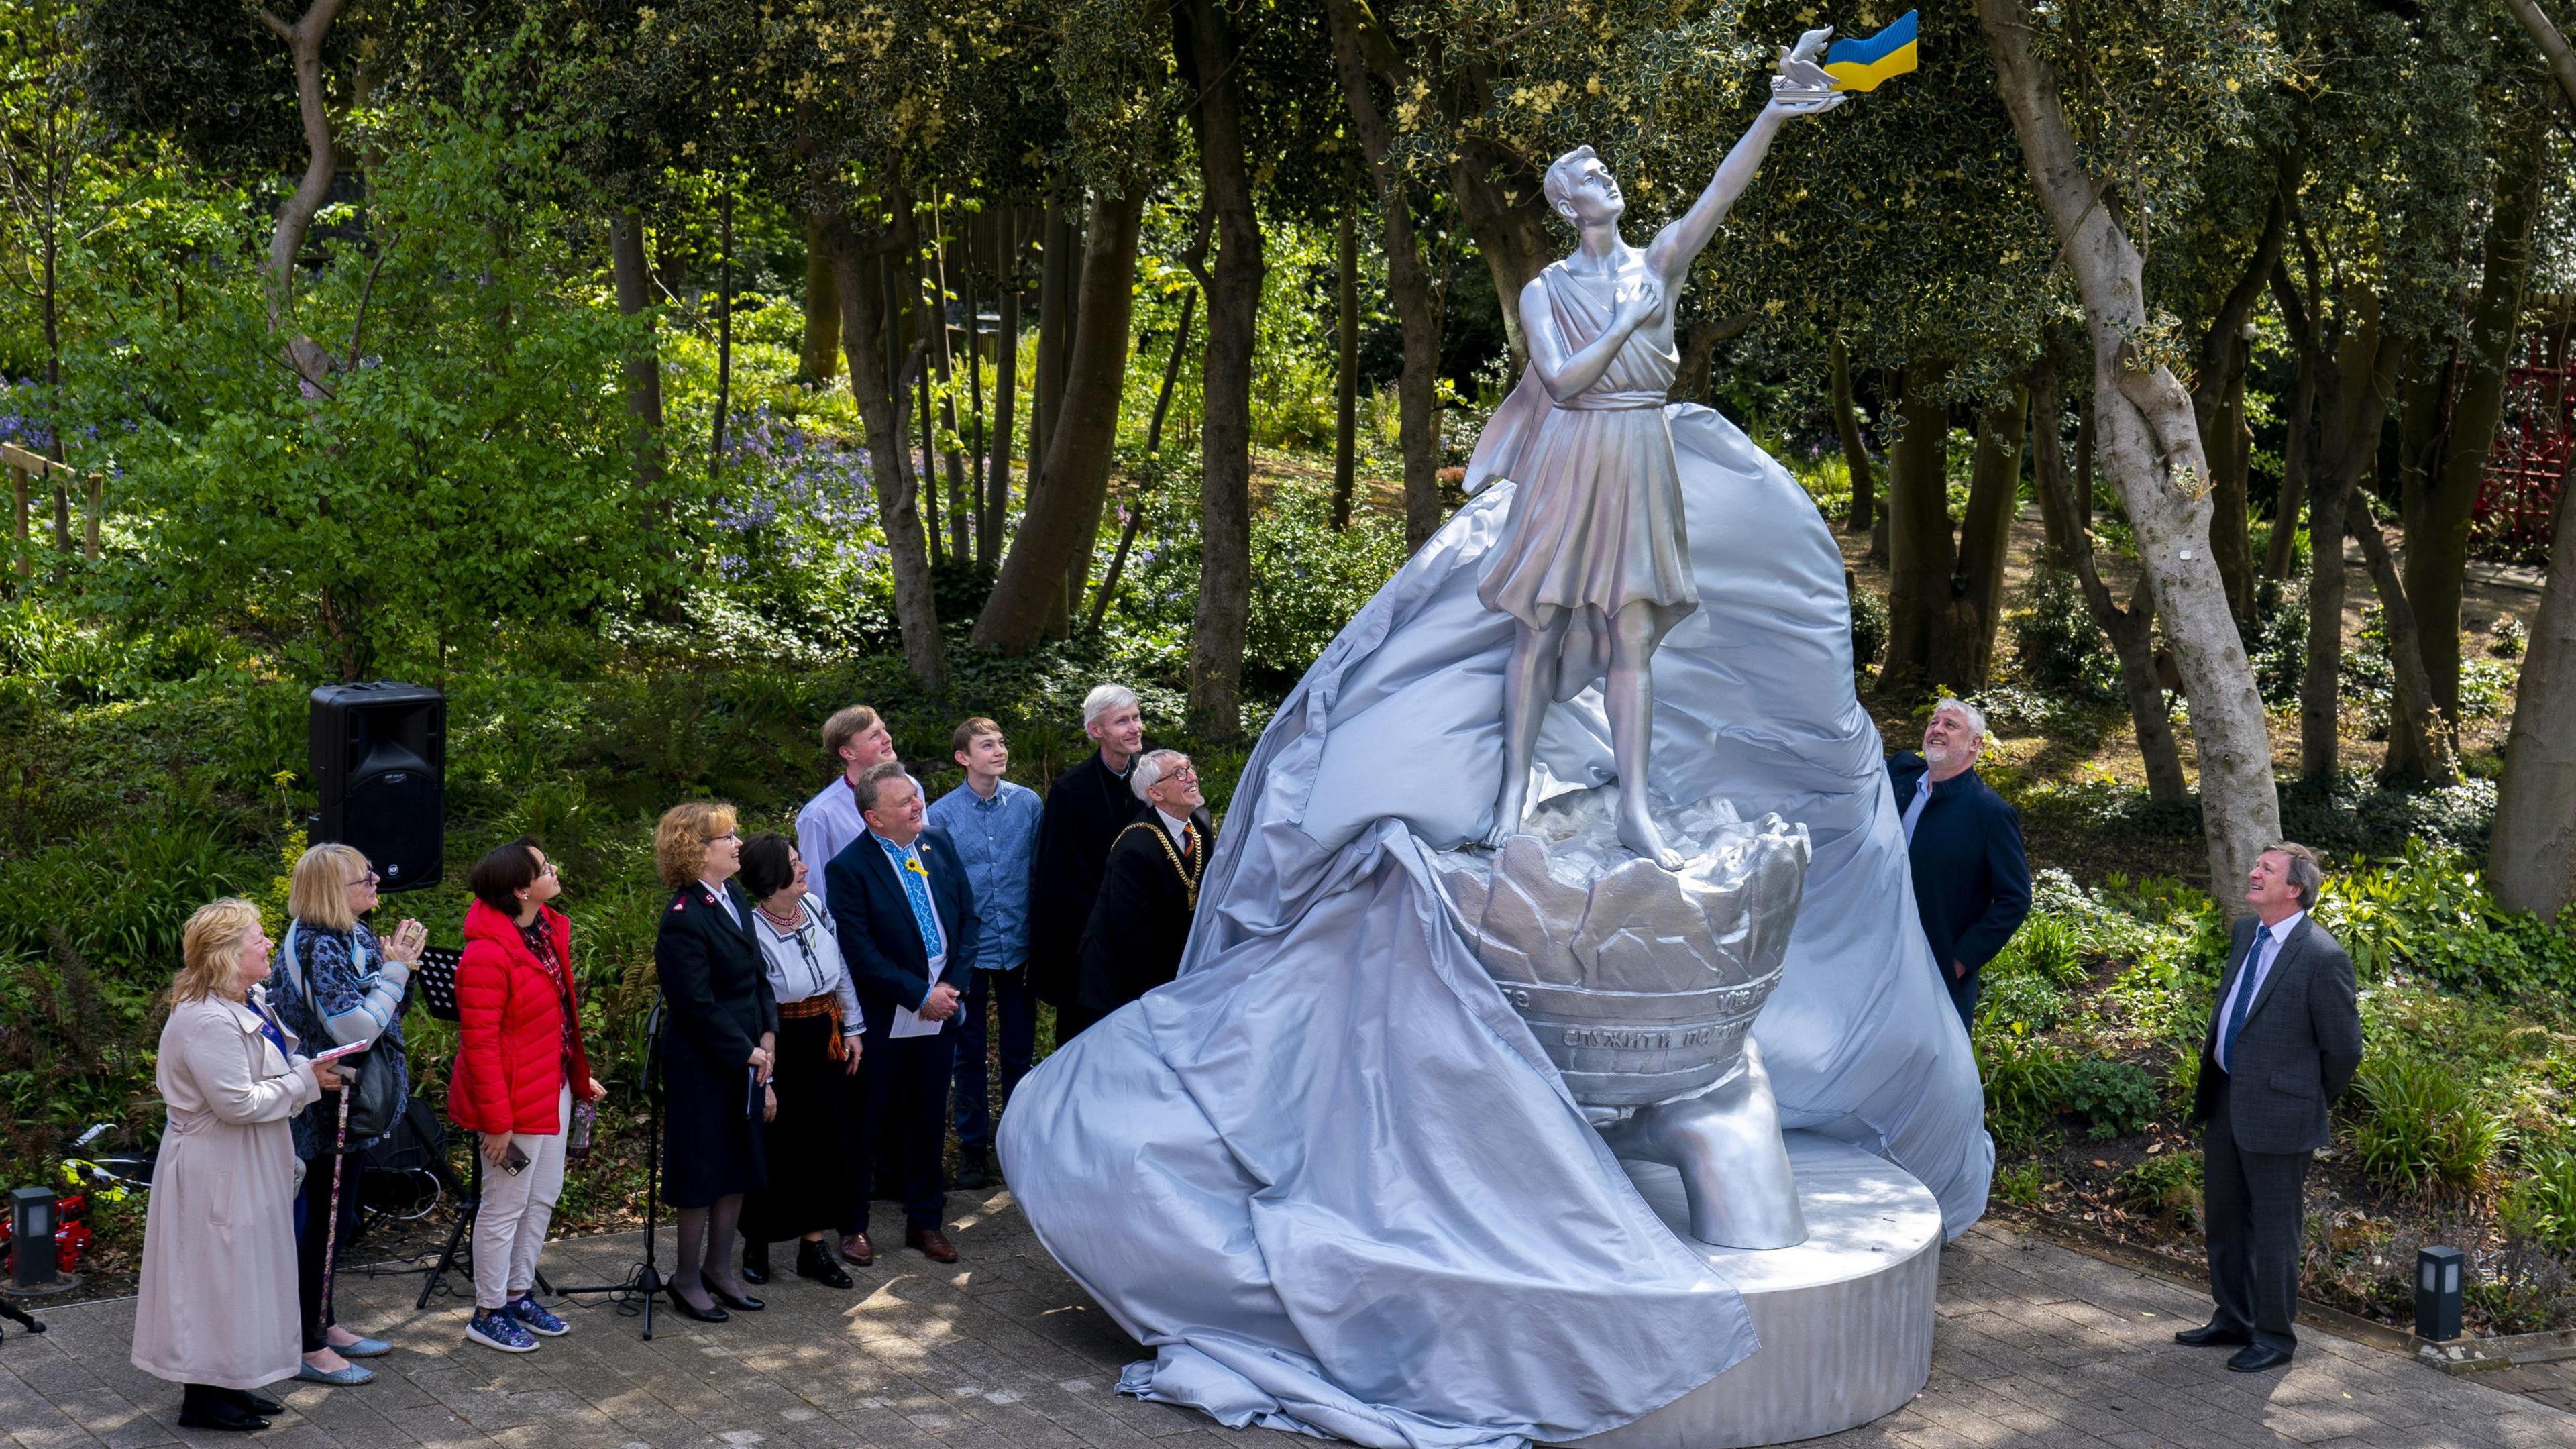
(719, 1030)
(217, 1309)
(336, 985)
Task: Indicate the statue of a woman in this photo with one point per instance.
(1594, 562)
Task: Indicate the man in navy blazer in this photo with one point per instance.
(906, 921)
(1971, 880)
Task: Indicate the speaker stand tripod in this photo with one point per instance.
(637, 1291)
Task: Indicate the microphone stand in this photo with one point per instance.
(636, 1292)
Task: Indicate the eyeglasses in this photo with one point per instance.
(550, 868)
(728, 835)
(1185, 772)
(370, 878)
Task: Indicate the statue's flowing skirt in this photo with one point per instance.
(1596, 522)
(1327, 1175)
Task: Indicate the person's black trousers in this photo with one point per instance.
(2256, 1204)
(905, 1126)
(312, 1224)
(998, 1002)
(1963, 995)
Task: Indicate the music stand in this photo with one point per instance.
(644, 1284)
(434, 976)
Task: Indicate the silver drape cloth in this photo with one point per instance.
(1327, 1175)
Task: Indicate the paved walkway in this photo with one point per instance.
(2037, 1346)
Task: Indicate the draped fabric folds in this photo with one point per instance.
(1327, 1175)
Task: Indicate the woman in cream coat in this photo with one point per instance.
(217, 1312)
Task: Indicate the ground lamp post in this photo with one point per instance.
(32, 1220)
(2437, 1293)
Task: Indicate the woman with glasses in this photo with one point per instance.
(719, 1029)
(519, 1063)
(819, 1034)
(337, 985)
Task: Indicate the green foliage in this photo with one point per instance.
(2026, 1081)
(2167, 1185)
(2542, 1205)
(2060, 648)
(2280, 647)
(2422, 1129)
(2114, 1098)
(2020, 1184)
(1868, 627)
(2018, 1001)
(2429, 912)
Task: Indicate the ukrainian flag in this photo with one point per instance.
(1859, 65)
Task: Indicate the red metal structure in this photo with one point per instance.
(2529, 458)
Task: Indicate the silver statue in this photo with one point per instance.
(1641, 985)
(1594, 564)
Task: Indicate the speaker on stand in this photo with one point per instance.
(379, 758)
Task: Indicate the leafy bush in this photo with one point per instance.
(2542, 1205)
(2115, 1098)
(2167, 1185)
(2059, 645)
(2428, 912)
(2507, 638)
(2422, 1129)
(1868, 627)
(2025, 1084)
(2019, 1000)
(2021, 1183)
(2048, 945)
(2280, 648)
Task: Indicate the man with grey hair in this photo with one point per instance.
(2282, 1044)
(1971, 879)
(1085, 809)
(1148, 893)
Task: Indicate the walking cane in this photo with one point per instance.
(331, 1233)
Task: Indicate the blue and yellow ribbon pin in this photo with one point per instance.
(1861, 65)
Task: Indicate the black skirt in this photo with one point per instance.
(710, 1147)
(811, 1182)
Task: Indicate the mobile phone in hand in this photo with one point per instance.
(514, 1161)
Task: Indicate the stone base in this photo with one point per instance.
(1845, 1317)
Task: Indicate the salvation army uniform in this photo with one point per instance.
(718, 1006)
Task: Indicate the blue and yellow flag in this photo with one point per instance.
(1859, 65)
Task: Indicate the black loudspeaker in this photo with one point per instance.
(379, 755)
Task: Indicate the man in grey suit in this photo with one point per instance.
(2282, 1043)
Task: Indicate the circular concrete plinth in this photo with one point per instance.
(1845, 1317)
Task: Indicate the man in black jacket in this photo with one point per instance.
(2282, 1044)
(1085, 810)
(1971, 880)
(1150, 889)
(905, 918)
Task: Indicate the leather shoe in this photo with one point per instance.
(2254, 1358)
(857, 1250)
(969, 1178)
(2210, 1335)
(932, 1244)
(814, 1261)
(737, 1304)
(221, 1414)
(254, 1402)
(755, 1262)
(689, 1310)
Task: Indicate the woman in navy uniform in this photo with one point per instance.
(719, 1029)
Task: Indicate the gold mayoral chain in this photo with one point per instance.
(1190, 871)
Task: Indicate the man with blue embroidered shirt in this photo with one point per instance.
(906, 920)
(994, 825)
(2282, 1045)
(1971, 879)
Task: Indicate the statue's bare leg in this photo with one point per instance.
(1630, 694)
(1528, 684)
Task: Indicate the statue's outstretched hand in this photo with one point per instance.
(1802, 88)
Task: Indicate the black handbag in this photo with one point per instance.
(371, 1078)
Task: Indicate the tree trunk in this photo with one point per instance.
(2419, 748)
(1409, 283)
(2437, 558)
(2084, 465)
(1985, 541)
(1058, 275)
(2553, 46)
(295, 216)
(2218, 410)
(2531, 859)
(724, 339)
(1922, 555)
(818, 360)
(1346, 370)
(2131, 631)
(2145, 437)
(1500, 201)
(643, 364)
(1006, 390)
(1065, 495)
(866, 329)
(2298, 426)
(2358, 385)
(1205, 43)
(943, 355)
(1864, 483)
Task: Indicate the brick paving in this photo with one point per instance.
(2036, 1346)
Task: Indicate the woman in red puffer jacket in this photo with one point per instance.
(519, 1060)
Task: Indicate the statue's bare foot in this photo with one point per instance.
(1637, 832)
(1509, 808)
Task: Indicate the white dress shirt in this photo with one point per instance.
(828, 823)
(723, 897)
(2250, 979)
(1914, 807)
(1174, 827)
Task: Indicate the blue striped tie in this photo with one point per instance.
(2244, 998)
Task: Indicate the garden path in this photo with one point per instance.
(2036, 1346)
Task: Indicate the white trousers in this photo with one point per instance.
(510, 1225)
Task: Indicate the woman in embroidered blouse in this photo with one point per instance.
(811, 1173)
(217, 1308)
(336, 985)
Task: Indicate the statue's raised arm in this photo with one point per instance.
(1801, 88)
